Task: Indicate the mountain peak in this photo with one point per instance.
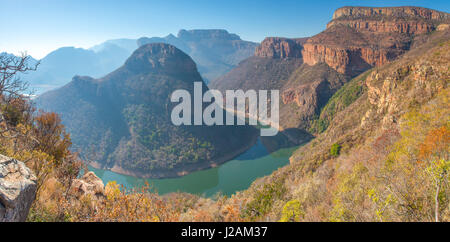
(160, 57)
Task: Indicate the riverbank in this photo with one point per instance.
(181, 170)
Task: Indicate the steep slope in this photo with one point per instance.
(123, 119)
(308, 71)
(374, 161)
(214, 50)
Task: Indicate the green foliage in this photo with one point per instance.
(338, 102)
(335, 149)
(351, 192)
(264, 198)
(292, 212)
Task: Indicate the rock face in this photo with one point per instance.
(89, 184)
(358, 38)
(308, 71)
(406, 20)
(17, 190)
(277, 47)
(395, 12)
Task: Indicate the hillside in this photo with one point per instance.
(308, 71)
(122, 121)
(373, 162)
(383, 157)
(367, 98)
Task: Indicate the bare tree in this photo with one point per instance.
(12, 89)
(11, 85)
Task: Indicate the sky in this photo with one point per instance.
(41, 26)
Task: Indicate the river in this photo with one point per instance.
(228, 178)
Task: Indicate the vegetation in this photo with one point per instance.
(263, 200)
(335, 149)
(383, 159)
(292, 212)
(338, 102)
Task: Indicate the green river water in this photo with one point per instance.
(232, 176)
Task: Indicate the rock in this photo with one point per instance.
(442, 27)
(276, 47)
(17, 190)
(395, 12)
(88, 184)
(407, 20)
(359, 38)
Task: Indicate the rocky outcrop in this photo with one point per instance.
(407, 20)
(17, 190)
(358, 38)
(89, 184)
(395, 12)
(404, 27)
(277, 47)
(351, 60)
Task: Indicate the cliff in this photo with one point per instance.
(277, 47)
(358, 38)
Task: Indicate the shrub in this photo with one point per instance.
(292, 212)
(335, 149)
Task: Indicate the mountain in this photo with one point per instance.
(123, 120)
(129, 45)
(214, 50)
(385, 147)
(308, 71)
(61, 65)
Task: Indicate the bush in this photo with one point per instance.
(335, 149)
(264, 198)
(292, 212)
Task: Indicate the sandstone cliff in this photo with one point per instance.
(277, 47)
(358, 38)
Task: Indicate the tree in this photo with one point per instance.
(10, 66)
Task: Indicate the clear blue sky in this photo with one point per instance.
(40, 26)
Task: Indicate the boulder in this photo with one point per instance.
(17, 190)
(88, 184)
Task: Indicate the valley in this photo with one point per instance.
(363, 128)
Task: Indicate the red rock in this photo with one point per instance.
(277, 47)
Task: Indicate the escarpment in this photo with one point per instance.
(358, 38)
(308, 71)
(277, 47)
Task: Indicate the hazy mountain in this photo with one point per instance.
(125, 117)
(214, 51)
(129, 45)
(58, 67)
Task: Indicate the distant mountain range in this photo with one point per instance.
(214, 51)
